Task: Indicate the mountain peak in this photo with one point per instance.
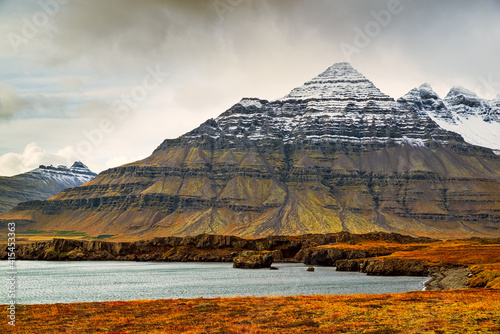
(339, 71)
(459, 90)
(424, 99)
(76, 169)
(425, 86)
(424, 91)
(78, 164)
(339, 82)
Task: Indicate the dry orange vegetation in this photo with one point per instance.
(459, 253)
(481, 256)
(379, 246)
(462, 311)
(485, 276)
(439, 253)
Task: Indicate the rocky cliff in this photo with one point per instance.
(211, 248)
(335, 154)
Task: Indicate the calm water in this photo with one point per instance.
(68, 282)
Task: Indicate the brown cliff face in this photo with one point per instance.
(354, 160)
(217, 248)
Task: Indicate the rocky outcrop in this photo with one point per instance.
(254, 260)
(330, 256)
(446, 278)
(393, 267)
(383, 267)
(347, 265)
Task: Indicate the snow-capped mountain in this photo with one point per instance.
(339, 105)
(476, 119)
(334, 154)
(78, 173)
(41, 183)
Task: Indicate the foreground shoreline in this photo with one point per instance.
(471, 310)
(449, 263)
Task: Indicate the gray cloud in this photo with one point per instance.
(218, 51)
(10, 102)
(14, 104)
(448, 42)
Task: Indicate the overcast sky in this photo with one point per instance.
(106, 82)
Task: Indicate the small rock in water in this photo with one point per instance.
(273, 268)
(310, 269)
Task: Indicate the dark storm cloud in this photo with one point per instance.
(216, 52)
(450, 41)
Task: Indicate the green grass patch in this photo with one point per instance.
(70, 234)
(32, 232)
(103, 236)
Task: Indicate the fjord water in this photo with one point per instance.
(41, 282)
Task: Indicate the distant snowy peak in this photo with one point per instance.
(459, 103)
(81, 168)
(424, 100)
(459, 90)
(78, 172)
(79, 164)
(461, 111)
(41, 183)
(465, 103)
(340, 82)
(420, 94)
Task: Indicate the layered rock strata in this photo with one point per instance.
(335, 154)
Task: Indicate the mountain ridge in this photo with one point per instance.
(462, 111)
(305, 163)
(41, 183)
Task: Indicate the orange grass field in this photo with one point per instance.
(439, 253)
(481, 256)
(460, 311)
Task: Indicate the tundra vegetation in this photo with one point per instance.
(459, 311)
(476, 309)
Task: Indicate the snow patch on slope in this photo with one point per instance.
(415, 142)
(248, 102)
(474, 130)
